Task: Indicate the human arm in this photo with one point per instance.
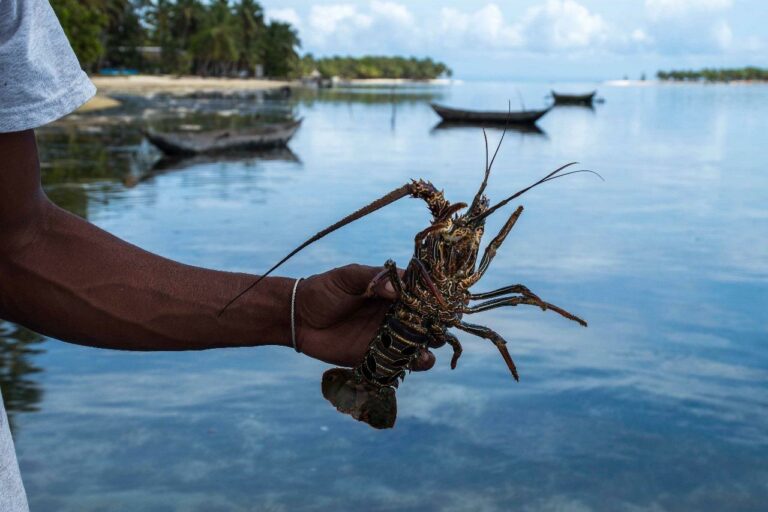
(66, 278)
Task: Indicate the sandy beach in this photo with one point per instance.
(151, 84)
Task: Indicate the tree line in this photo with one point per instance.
(209, 38)
(715, 75)
(372, 66)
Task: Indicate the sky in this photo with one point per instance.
(541, 39)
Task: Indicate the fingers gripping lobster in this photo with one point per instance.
(433, 297)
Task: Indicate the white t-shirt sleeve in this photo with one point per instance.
(40, 77)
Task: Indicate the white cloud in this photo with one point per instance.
(392, 12)
(287, 15)
(557, 24)
(723, 34)
(689, 26)
(553, 26)
(336, 22)
(563, 24)
(640, 36)
(485, 26)
(679, 8)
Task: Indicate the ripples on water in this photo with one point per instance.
(659, 405)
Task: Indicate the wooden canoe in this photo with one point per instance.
(574, 99)
(489, 117)
(223, 141)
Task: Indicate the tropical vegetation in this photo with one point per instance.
(371, 66)
(209, 38)
(715, 75)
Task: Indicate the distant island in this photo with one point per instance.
(375, 66)
(210, 38)
(749, 73)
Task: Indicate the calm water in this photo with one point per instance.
(661, 404)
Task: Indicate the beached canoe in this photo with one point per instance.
(222, 141)
(488, 117)
(574, 99)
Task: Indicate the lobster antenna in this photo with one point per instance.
(551, 176)
(389, 198)
(488, 166)
(503, 133)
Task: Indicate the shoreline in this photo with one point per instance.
(153, 84)
(655, 82)
(374, 82)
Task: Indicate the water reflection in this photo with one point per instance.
(19, 383)
(370, 95)
(659, 405)
(524, 129)
(168, 164)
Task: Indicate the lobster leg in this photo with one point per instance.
(514, 301)
(490, 334)
(490, 251)
(515, 288)
(453, 341)
(390, 272)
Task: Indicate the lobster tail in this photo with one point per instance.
(376, 406)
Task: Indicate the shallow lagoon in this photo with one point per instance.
(660, 404)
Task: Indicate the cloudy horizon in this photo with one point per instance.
(545, 39)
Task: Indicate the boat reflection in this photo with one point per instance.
(168, 164)
(523, 129)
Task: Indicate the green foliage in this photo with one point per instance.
(209, 37)
(715, 75)
(251, 32)
(84, 23)
(371, 66)
(280, 57)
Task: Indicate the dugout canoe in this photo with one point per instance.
(274, 135)
(573, 99)
(488, 117)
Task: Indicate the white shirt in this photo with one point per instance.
(40, 77)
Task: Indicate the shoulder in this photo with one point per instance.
(40, 76)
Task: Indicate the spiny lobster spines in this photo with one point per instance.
(434, 198)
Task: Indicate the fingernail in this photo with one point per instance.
(388, 287)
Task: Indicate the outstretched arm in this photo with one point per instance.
(66, 278)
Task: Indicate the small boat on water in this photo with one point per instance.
(274, 135)
(574, 99)
(489, 117)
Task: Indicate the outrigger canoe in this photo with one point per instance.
(574, 99)
(221, 141)
(489, 117)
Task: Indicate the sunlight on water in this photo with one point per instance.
(660, 404)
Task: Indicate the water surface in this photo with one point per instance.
(660, 404)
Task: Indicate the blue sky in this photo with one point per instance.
(543, 39)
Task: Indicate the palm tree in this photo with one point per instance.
(280, 44)
(250, 24)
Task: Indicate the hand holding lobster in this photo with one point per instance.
(432, 296)
(339, 311)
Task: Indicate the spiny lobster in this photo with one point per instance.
(433, 295)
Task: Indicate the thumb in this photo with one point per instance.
(355, 279)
